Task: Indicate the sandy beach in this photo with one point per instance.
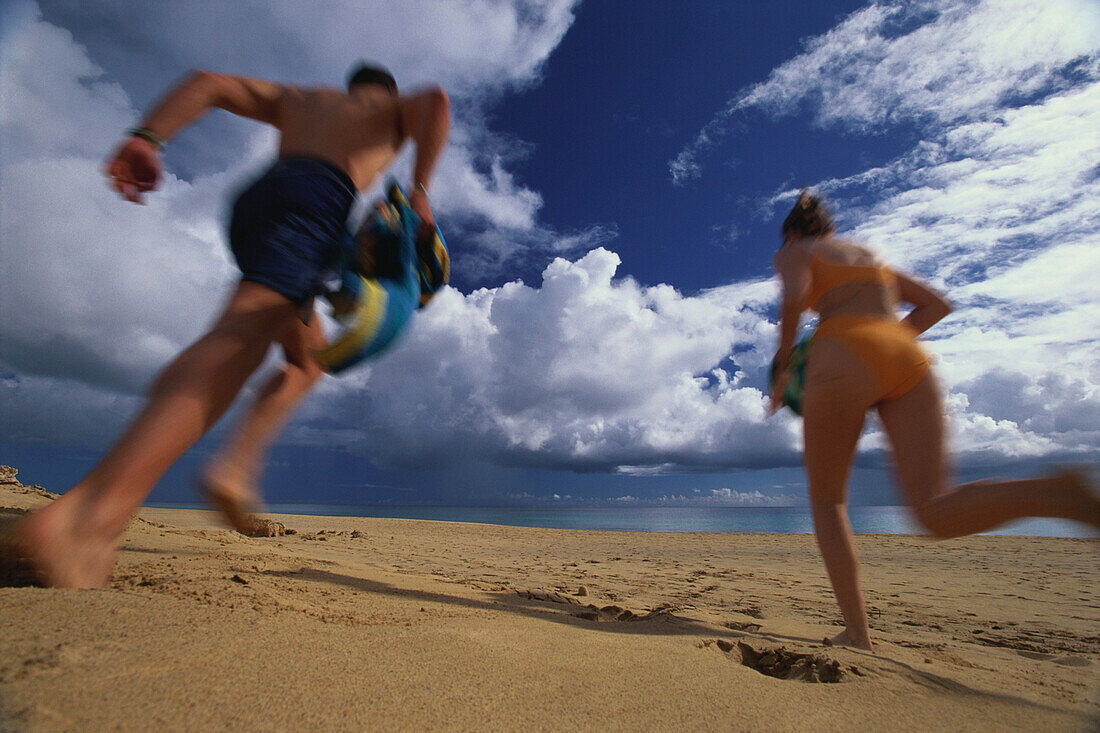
(390, 624)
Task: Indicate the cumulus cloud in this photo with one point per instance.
(584, 371)
(95, 287)
(475, 47)
(83, 74)
(587, 371)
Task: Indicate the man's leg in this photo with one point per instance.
(73, 541)
(231, 480)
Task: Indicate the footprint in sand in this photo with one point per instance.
(607, 613)
(784, 664)
(46, 662)
(548, 596)
(592, 612)
(40, 717)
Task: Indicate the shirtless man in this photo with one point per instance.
(284, 232)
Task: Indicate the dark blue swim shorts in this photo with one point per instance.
(287, 227)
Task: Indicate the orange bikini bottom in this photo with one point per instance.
(889, 349)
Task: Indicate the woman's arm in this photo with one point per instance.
(930, 307)
(794, 274)
(793, 266)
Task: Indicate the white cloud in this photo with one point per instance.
(94, 287)
(935, 62)
(586, 371)
(1004, 217)
(476, 47)
(66, 96)
(733, 497)
(972, 56)
(724, 497)
(654, 470)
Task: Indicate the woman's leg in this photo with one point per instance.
(914, 423)
(837, 394)
(232, 477)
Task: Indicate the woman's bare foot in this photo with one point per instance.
(844, 639)
(59, 546)
(232, 492)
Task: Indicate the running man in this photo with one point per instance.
(284, 233)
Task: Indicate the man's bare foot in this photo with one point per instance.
(237, 500)
(844, 639)
(57, 547)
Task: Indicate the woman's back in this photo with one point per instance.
(848, 279)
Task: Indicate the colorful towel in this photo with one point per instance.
(386, 273)
(796, 371)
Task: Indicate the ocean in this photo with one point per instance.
(782, 520)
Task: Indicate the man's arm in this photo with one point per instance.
(136, 165)
(426, 117)
(202, 90)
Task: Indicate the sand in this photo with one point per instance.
(390, 624)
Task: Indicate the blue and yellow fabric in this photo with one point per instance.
(407, 271)
(796, 375)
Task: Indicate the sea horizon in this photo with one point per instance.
(727, 519)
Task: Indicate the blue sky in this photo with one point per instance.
(611, 197)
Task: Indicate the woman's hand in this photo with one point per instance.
(778, 386)
(930, 307)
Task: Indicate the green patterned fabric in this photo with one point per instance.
(796, 369)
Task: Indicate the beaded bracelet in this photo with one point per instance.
(148, 135)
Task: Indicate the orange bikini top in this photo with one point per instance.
(825, 276)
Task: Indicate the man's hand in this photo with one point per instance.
(418, 201)
(134, 169)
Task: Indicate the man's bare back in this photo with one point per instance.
(359, 134)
